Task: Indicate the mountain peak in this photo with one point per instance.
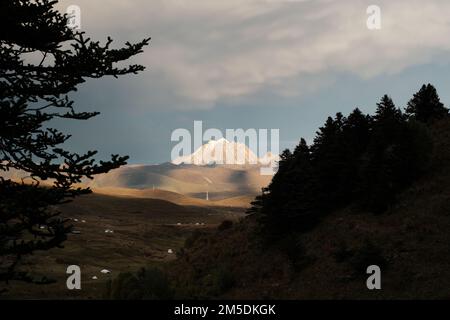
(221, 140)
(223, 151)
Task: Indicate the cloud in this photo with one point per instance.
(206, 51)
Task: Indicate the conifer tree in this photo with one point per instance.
(329, 160)
(387, 111)
(31, 95)
(301, 209)
(426, 105)
(356, 133)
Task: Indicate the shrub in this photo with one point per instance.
(189, 242)
(218, 282)
(147, 284)
(343, 253)
(368, 254)
(225, 225)
(292, 246)
(359, 258)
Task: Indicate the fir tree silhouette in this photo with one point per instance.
(31, 95)
(426, 105)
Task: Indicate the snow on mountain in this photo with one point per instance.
(223, 151)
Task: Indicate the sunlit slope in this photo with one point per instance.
(186, 179)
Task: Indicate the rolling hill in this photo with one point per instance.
(196, 176)
(221, 181)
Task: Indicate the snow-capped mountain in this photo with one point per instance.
(223, 151)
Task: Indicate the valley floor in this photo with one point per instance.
(118, 234)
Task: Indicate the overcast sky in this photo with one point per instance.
(254, 64)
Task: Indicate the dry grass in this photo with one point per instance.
(144, 230)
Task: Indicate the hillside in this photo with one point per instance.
(176, 198)
(221, 181)
(410, 242)
(141, 232)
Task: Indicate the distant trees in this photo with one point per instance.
(42, 60)
(360, 159)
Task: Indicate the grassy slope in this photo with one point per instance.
(412, 238)
(177, 198)
(144, 230)
(186, 179)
